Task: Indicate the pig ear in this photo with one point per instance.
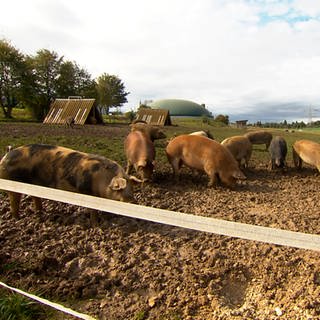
(239, 175)
(118, 183)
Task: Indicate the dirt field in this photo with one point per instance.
(132, 269)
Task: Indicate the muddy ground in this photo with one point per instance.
(132, 269)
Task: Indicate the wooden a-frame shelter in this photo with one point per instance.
(80, 110)
(158, 117)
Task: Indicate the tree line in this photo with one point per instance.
(34, 81)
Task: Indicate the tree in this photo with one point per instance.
(74, 81)
(54, 77)
(222, 118)
(66, 80)
(12, 76)
(111, 92)
(45, 67)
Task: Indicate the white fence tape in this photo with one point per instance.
(49, 303)
(218, 226)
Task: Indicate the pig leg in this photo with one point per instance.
(129, 167)
(212, 177)
(14, 203)
(37, 204)
(213, 181)
(176, 164)
(296, 159)
(247, 159)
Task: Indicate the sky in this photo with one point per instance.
(249, 59)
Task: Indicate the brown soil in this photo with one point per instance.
(133, 269)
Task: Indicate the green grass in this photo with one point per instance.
(17, 307)
(113, 147)
(18, 114)
(140, 315)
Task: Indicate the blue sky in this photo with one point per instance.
(256, 60)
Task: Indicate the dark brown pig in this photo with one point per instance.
(66, 169)
(240, 147)
(307, 151)
(140, 153)
(278, 152)
(152, 132)
(206, 155)
(259, 137)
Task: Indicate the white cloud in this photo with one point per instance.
(217, 52)
(307, 7)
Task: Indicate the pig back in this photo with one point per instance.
(199, 151)
(278, 148)
(139, 146)
(140, 153)
(259, 137)
(239, 146)
(152, 132)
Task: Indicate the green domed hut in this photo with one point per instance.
(179, 107)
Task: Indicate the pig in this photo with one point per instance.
(66, 169)
(259, 137)
(70, 122)
(307, 151)
(152, 132)
(278, 152)
(203, 133)
(240, 147)
(140, 153)
(206, 155)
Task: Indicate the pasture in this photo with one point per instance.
(131, 269)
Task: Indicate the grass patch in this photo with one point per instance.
(18, 114)
(140, 315)
(112, 147)
(17, 307)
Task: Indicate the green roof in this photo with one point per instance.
(179, 107)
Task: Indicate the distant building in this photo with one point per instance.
(241, 123)
(179, 107)
(79, 110)
(158, 117)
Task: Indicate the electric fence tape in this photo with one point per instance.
(178, 219)
(54, 305)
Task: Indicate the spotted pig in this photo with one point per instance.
(66, 169)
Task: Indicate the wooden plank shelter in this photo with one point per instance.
(241, 123)
(158, 117)
(80, 110)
